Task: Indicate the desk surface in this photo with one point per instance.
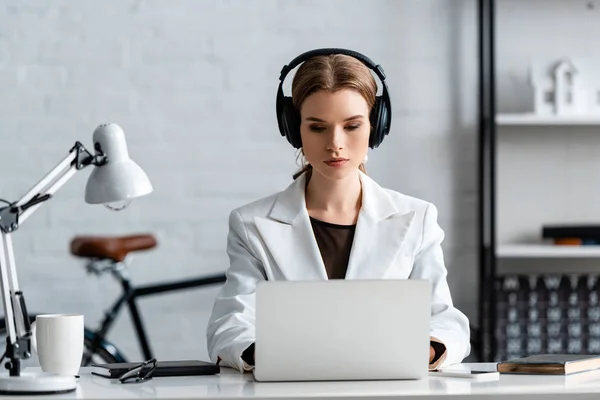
(230, 384)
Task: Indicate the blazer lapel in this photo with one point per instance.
(288, 235)
(380, 232)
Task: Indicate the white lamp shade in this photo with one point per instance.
(120, 179)
(116, 182)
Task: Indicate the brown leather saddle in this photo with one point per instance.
(113, 248)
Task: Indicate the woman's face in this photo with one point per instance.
(335, 131)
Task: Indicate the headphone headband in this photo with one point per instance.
(331, 51)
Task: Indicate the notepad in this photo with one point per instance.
(163, 368)
(550, 364)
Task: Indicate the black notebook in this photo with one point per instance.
(163, 368)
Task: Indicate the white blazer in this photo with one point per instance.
(272, 239)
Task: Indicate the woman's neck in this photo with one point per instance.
(336, 201)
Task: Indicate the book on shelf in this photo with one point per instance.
(583, 232)
(575, 242)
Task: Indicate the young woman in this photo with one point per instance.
(332, 221)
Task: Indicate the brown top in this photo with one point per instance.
(335, 243)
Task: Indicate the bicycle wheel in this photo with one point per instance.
(99, 355)
(104, 352)
(91, 355)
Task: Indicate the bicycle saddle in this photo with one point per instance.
(114, 248)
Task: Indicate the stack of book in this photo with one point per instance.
(572, 235)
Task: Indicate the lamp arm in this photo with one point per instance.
(18, 344)
(78, 158)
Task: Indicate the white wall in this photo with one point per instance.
(193, 85)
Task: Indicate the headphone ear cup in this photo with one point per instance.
(380, 122)
(375, 119)
(291, 123)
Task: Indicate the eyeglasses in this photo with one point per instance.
(139, 373)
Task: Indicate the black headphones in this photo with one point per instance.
(288, 118)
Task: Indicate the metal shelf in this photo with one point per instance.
(546, 120)
(546, 251)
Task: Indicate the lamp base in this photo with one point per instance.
(37, 383)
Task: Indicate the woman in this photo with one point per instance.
(327, 223)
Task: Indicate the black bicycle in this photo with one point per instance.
(111, 255)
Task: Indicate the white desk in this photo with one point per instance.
(230, 384)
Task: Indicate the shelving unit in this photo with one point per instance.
(569, 141)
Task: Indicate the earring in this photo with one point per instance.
(300, 159)
(303, 156)
(366, 159)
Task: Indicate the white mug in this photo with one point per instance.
(58, 341)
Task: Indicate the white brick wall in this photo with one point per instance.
(193, 85)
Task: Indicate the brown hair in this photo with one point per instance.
(332, 73)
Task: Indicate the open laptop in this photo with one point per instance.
(342, 330)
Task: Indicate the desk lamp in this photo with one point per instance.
(114, 181)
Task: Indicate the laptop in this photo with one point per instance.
(342, 330)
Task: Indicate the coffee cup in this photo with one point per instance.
(57, 339)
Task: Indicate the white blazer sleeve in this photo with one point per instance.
(448, 325)
(230, 328)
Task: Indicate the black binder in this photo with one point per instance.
(163, 368)
(571, 231)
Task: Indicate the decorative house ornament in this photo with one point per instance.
(565, 87)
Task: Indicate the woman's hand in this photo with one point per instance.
(431, 354)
